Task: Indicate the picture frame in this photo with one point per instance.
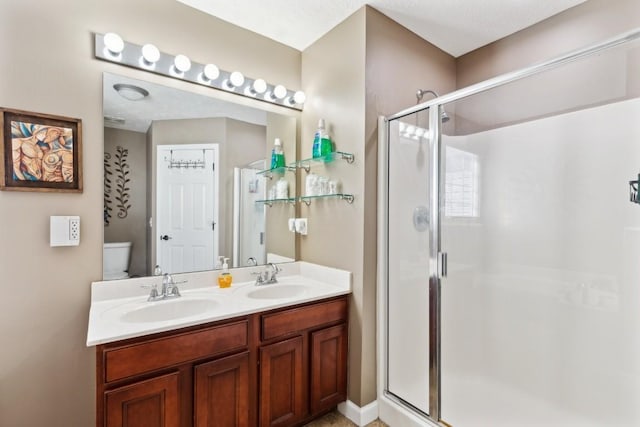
(40, 152)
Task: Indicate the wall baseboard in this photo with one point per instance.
(360, 416)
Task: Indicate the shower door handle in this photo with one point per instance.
(442, 264)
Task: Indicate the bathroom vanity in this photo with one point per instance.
(270, 355)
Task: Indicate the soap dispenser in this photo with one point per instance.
(219, 262)
(225, 278)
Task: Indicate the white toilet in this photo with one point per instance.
(115, 260)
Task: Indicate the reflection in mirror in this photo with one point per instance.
(181, 181)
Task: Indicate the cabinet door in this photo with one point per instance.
(147, 403)
(328, 367)
(281, 382)
(222, 392)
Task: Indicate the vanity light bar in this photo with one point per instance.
(110, 47)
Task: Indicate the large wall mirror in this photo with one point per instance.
(183, 181)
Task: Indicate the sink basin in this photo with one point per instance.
(168, 310)
(277, 291)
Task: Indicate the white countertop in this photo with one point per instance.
(113, 302)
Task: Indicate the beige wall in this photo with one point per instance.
(365, 67)
(582, 25)
(333, 77)
(279, 240)
(133, 227)
(572, 87)
(398, 63)
(47, 374)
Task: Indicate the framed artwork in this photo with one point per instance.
(40, 152)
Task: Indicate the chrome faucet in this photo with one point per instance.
(169, 289)
(268, 276)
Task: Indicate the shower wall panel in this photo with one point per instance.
(540, 306)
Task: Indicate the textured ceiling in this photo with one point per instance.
(455, 26)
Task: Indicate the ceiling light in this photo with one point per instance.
(113, 43)
(211, 72)
(150, 53)
(130, 92)
(182, 63)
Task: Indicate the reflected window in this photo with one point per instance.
(461, 183)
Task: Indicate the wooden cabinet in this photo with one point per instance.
(303, 362)
(150, 403)
(281, 383)
(328, 367)
(222, 392)
(278, 368)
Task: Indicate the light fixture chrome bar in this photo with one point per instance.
(181, 68)
(522, 73)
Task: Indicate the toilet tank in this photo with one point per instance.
(115, 260)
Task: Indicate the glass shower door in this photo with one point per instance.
(408, 264)
(540, 305)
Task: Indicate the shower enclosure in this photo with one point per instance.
(509, 249)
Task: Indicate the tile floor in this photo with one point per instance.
(336, 419)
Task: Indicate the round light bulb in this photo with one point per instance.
(259, 86)
(236, 79)
(150, 53)
(401, 127)
(279, 92)
(299, 97)
(411, 129)
(211, 72)
(113, 43)
(182, 63)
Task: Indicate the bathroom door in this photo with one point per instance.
(187, 208)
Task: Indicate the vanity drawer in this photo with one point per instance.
(303, 318)
(123, 362)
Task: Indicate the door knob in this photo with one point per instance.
(165, 237)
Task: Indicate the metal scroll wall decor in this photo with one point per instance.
(120, 192)
(107, 188)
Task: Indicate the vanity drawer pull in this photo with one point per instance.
(161, 353)
(302, 318)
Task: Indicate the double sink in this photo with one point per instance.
(193, 305)
(120, 309)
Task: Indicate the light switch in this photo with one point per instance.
(64, 231)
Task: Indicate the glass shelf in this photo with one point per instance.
(307, 199)
(306, 163)
(268, 173)
(270, 202)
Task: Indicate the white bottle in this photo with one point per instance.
(282, 189)
(310, 184)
